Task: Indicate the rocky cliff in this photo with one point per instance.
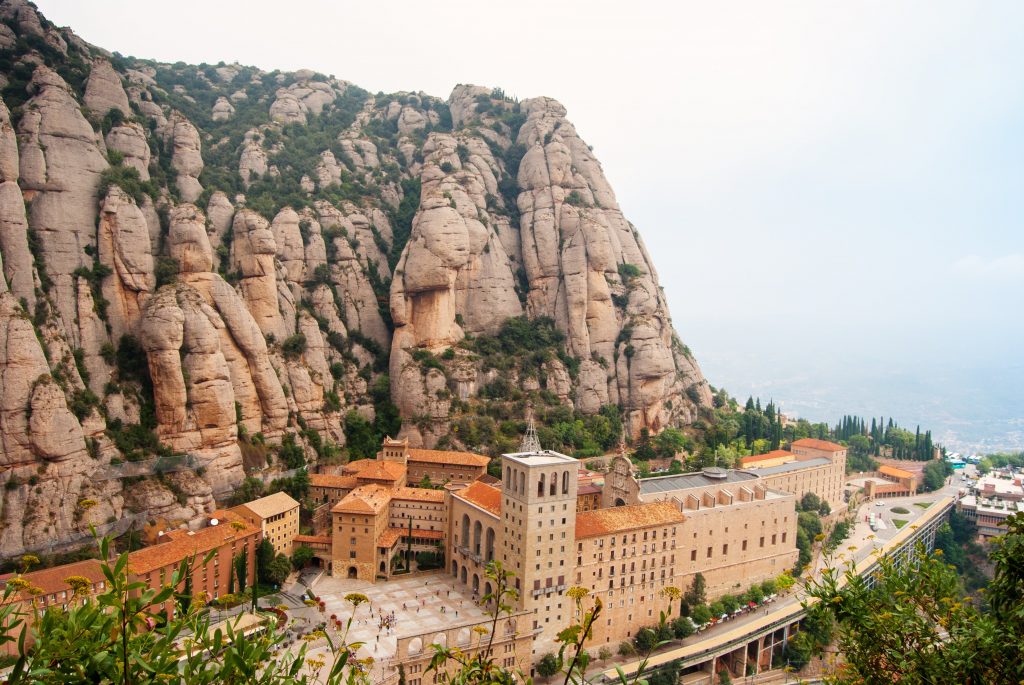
(200, 261)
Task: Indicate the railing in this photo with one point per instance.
(785, 616)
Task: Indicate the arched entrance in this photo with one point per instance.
(383, 567)
(619, 502)
(352, 572)
(476, 583)
(464, 574)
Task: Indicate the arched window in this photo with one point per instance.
(465, 530)
(477, 532)
(522, 483)
(540, 486)
(508, 478)
(489, 545)
(565, 483)
(554, 484)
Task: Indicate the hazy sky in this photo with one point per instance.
(840, 182)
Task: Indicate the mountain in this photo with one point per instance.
(213, 269)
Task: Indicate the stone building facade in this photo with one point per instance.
(277, 517)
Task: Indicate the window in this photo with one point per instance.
(709, 552)
(762, 541)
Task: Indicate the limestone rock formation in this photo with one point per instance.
(386, 238)
(103, 90)
(187, 158)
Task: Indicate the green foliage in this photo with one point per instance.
(575, 199)
(122, 635)
(935, 474)
(547, 666)
(628, 271)
(301, 557)
(290, 453)
(294, 346)
(909, 622)
(166, 271)
(127, 179)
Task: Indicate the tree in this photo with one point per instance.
(301, 557)
(934, 476)
(696, 594)
(547, 666)
(278, 570)
(682, 628)
(604, 654)
(701, 614)
(645, 640)
(241, 570)
(264, 558)
(909, 622)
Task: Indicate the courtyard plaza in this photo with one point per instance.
(416, 605)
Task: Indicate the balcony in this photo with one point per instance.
(549, 590)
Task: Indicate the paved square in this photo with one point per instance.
(409, 606)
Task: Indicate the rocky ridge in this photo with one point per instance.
(202, 260)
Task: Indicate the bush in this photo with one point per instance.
(628, 271)
(645, 640)
(548, 664)
(294, 346)
(626, 649)
(301, 557)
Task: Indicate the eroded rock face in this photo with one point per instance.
(60, 164)
(574, 241)
(103, 89)
(187, 158)
(273, 318)
(222, 109)
(130, 140)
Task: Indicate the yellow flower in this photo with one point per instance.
(356, 598)
(86, 504)
(79, 585)
(577, 592)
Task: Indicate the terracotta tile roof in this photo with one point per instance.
(895, 472)
(271, 505)
(588, 490)
(603, 521)
(313, 539)
(330, 480)
(482, 495)
(446, 457)
(183, 544)
(391, 536)
(366, 499)
(372, 469)
(774, 454)
(418, 494)
(815, 444)
(489, 479)
(51, 580)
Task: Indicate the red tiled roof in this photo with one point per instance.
(418, 494)
(894, 472)
(588, 490)
(372, 469)
(774, 454)
(51, 580)
(603, 521)
(313, 539)
(366, 499)
(482, 495)
(448, 458)
(330, 480)
(182, 544)
(815, 444)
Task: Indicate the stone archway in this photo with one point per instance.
(353, 572)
